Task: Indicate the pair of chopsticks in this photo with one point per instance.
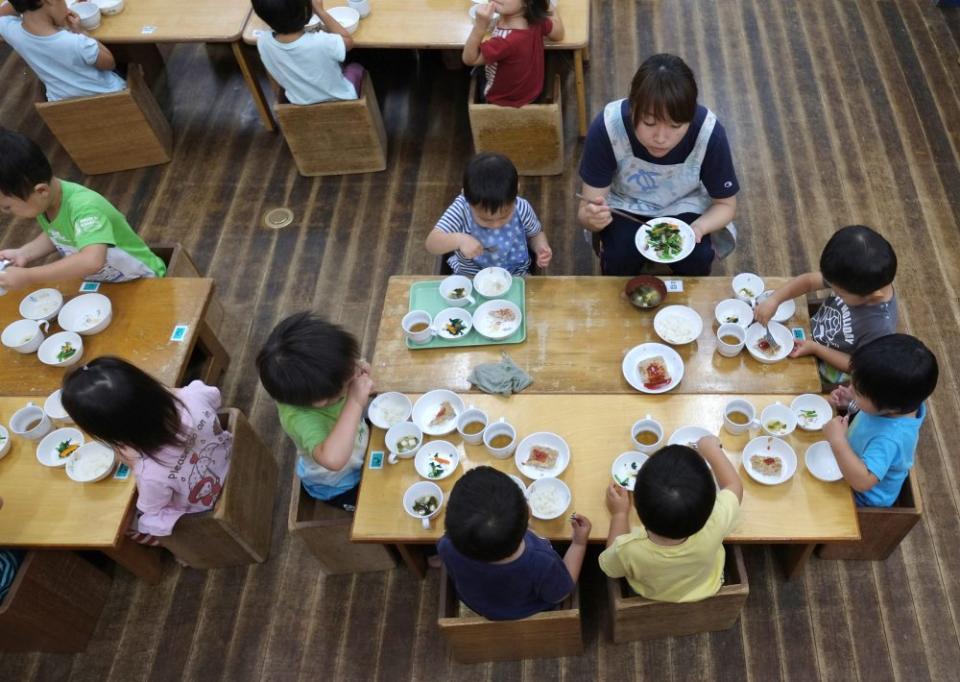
(615, 211)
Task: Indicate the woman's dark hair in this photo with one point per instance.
(490, 181)
(122, 405)
(535, 11)
(675, 492)
(896, 372)
(663, 87)
(306, 360)
(22, 165)
(487, 515)
(859, 260)
(284, 16)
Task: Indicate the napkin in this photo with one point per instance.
(502, 377)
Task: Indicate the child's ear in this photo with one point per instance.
(42, 188)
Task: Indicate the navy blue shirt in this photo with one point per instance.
(535, 581)
(599, 164)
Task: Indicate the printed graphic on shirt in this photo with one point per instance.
(205, 485)
(832, 325)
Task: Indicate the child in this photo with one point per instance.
(307, 64)
(50, 40)
(892, 377)
(513, 56)
(487, 224)
(171, 439)
(500, 568)
(656, 154)
(859, 265)
(313, 370)
(677, 554)
(93, 238)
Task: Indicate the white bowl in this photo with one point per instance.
(42, 304)
(546, 439)
(51, 348)
(442, 318)
(783, 336)
(813, 403)
(428, 407)
(54, 409)
(688, 435)
(92, 462)
(747, 286)
(770, 446)
(87, 314)
(418, 490)
(4, 441)
(631, 362)
(453, 285)
(559, 488)
(347, 17)
(489, 320)
(388, 409)
(822, 463)
(89, 14)
(733, 311)
(626, 467)
(687, 319)
(48, 449)
(433, 452)
(492, 282)
(500, 428)
(24, 336)
(402, 430)
(109, 7)
(780, 413)
(784, 311)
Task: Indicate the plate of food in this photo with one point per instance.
(92, 462)
(769, 460)
(497, 319)
(812, 411)
(761, 349)
(822, 463)
(626, 467)
(388, 409)
(57, 446)
(548, 498)
(688, 435)
(436, 412)
(733, 311)
(453, 323)
(665, 240)
(436, 460)
(652, 368)
(541, 455)
(678, 324)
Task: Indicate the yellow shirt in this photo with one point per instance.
(690, 571)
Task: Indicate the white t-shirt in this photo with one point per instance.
(309, 67)
(64, 61)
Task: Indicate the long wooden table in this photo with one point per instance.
(578, 331)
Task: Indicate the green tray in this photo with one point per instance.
(426, 296)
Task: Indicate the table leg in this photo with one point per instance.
(581, 92)
(263, 108)
(793, 558)
(141, 560)
(414, 559)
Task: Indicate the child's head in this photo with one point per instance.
(893, 374)
(663, 101)
(122, 405)
(857, 262)
(534, 11)
(307, 361)
(675, 492)
(56, 9)
(490, 185)
(25, 176)
(486, 515)
(284, 16)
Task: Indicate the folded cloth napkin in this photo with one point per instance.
(502, 377)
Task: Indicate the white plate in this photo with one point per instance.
(783, 336)
(557, 486)
(447, 314)
(550, 440)
(822, 463)
(648, 350)
(388, 409)
(734, 309)
(47, 448)
(489, 326)
(42, 304)
(784, 311)
(686, 234)
(625, 468)
(427, 407)
(812, 401)
(769, 445)
(686, 435)
(428, 453)
(107, 463)
(682, 315)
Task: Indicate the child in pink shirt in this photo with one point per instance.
(171, 439)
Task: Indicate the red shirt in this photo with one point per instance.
(514, 64)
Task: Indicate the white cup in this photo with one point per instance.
(54, 409)
(395, 433)
(422, 489)
(362, 7)
(646, 424)
(24, 336)
(28, 415)
(500, 428)
(468, 417)
(453, 282)
(744, 407)
(727, 349)
(414, 318)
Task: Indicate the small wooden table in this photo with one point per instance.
(578, 331)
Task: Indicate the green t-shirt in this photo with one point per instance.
(87, 218)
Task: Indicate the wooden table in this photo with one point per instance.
(445, 25)
(578, 331)
(145, 312)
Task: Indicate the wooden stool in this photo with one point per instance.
(335, 138)
(881, 528)
(474, 639)
(237, 530)
(54, 603)
(531, 136)
(112, 132)
(636, 618)
(326, 532)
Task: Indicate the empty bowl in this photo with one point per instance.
(54, 409)
(42, 304)
(109, 7)
(822, 463)
(57, 446)
(89, 14)
(347, 17)
(86, 314)
(24, 336)
(61, 350)
(91, 462)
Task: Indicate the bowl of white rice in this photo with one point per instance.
(549, 498)
(678, 324)
(388, 409)
(91, 462)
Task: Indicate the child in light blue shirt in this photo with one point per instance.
(891, 378)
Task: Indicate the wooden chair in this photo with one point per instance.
(474, 639)
(54, 603)
(531, 136)
(881, 528)
(325, 531)
(237, 530)
(179, 264)
(634, 617)
(335, 138)
(444, 267)
(112, 132)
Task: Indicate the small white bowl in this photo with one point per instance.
(89, 14)
(54, 409)
(428, 407)
(42, 304)
(626, 467)
(747, 286)
(782, 335)
(822, 463)
(432, 452)
(492, 282)
(688, 435)
(443, 318)
(681, 315)
(778, 413)
(784, 311)
(546, 439)
(92, 462)
(457, 284)
(544, 484)
(24, 336)
(733, 311)
(4, 441)
(87, 314)
(48, 450)
(418, 490)
(388, 409)
(727, 331)
(51, 348)
(109, 7)
(488, 319)
(774, 447)
(347, 17)
(814, 403)
(399, 431)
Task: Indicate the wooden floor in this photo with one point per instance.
(838, 111)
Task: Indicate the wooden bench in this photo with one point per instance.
(335, 138)
(112, 132)
(474, 639)
(238, 529)
(531, 136)
(636, 618)
(53, 604)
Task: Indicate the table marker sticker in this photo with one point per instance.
(122, 473)
(798, 333)
(148, 30)
(89, 287)
(674, 285)
(179, 332)
(376, 459)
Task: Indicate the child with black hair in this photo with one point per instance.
(891, 378)
(500, 568)
(170, 438)
(92, 237)
(677, 554)
(312, 368)
(859, 265)
(488, 224)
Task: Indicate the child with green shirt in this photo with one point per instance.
(93, 238)
(312, 369)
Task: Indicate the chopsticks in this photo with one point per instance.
(615, 211)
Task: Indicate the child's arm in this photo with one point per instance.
(334, 452)
(6, 10)
(715, 218)
(556, 33)
(831, 356)
(482, 24)
(711, 450)
(854, 471)
(573, 558)
(798, 286)
(541, 249)
(105, 60)
(88, 261)
(618, 502)
(332, 25)
(36, 248)
(440, 242)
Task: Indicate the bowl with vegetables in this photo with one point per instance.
(453, 323)
(778, 420)
(4, 441)
(733, 311)
(61, 349)
(423, 500)
(747, 286)
(665, 240)
(812, 410)
(645, 292)
(626, 467)
(403, 440)
(57, 446)
(436, 460)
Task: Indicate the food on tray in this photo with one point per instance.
(501, 440)
(732, 319)
(473, 428)
(808, 416)
(664, 239)
(437, 466)
(455, 326)
(766, 348)
(547, 501)
(646, 437)
(407, 443)
(445, 413)
(458, 293)
(67, 351)
(768, 465)
(542, 457)
(776, 426)
(500, 321)
(425, 505)
(654, 373)
(503, 314)
(744, 291)
(66, 448)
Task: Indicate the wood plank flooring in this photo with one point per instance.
(838, 111)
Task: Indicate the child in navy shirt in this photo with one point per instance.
(501, 569)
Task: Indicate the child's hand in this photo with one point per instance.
(581, 528)
(15, 256)
(544, 256)
(706, 441)
(802, 348)
(72, 22)
(485, 12)
(361, 386)
(697, 232)
(765, 311)
(14, 278)
(597, 214)
(618, 499)
(840, 397)
(363, 367)
(836, 429)
(470, 247)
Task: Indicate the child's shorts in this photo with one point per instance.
(347, 501)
